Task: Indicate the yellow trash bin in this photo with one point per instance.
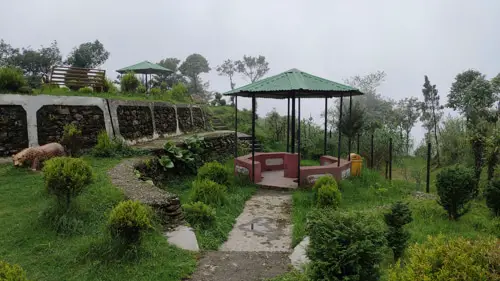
(356, 164)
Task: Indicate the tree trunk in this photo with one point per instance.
(407, 143)
(435, 135)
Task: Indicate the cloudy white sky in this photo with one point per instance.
(334, 39)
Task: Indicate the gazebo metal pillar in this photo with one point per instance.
(340, 134)
(235, 126)
(326, 121)
(293, 124)
(288, 127)
(253, 138)
(350, 121)
(298, 150)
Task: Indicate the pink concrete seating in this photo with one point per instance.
(273, 161)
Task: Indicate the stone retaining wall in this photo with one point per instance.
(27, 120)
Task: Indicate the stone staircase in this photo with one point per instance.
(248, 139)
(217, 125)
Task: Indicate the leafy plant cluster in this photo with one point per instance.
(326, 192)
(11, 272)
(344, 246)
(72, 139)
(11, 80)
(443, 259)
(128, 221)
(456, 187)
(208, 191)
(397, 236)
(107, 148)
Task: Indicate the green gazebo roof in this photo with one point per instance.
(145, 67)
(285, 84)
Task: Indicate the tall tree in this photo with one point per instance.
(228, 68)
(432, 112)
(474, 96)
(253, 68)
(409, 111)
(377, 110)
(36, 64)
(167, 81)
(6, 53)
(276, 124)
(192, 67)
(88, 55)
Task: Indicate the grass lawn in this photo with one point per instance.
(239, 192)
(26, 238)
(163, 97)
(373, 195)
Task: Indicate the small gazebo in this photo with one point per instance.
(292, 85)
(145, 68)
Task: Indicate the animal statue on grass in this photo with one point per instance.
(36, 155)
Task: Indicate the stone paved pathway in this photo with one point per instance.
(259, 244)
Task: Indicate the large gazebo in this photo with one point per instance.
(292, 85)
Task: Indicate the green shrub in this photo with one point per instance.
(11, 272)
(107, 147)
(129, 220)
(141, 89)
(129, 82)
(439, 259)
(72, 139)
(328, 196)
(25, 90)
(66, 177)
(492, 194)
(397, 236)
(11, 79)
(344, 246)
(456, 186)
(208, 192)
(86, 90)
(199, 214)
(109, 86)
(214, 171)
(324, 180)
(155, 91)
(104, 147)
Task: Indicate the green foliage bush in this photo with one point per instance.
(129, 220)
(25, 90)
(72, 139)
(456, 186)
(344, 246)
(199, 214)
(11, 79)
(329, 196)
(155, 91)
(439, 259)
(11, 272)
(215, 172)
(492, 194)
(129, 82)
(109, 86)
(107, 147)
(66, 177)
(397, 236)
(141, 89)
(321, 181)
(208, 192)
(86, 90)
(179, 93)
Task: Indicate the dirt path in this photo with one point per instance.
(259, 244)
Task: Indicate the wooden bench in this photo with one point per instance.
(77, 77)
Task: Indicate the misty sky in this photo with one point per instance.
(333, 39)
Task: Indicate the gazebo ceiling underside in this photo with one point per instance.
(294, 83)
